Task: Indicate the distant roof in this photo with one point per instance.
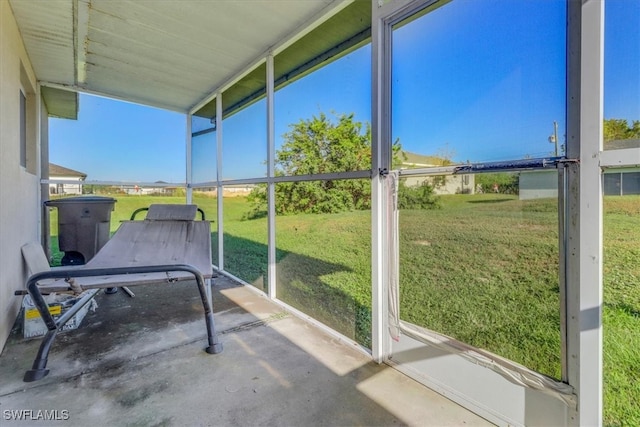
(620, 144)
(413, 159)
(57, 170)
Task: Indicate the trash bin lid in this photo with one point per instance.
(80, 200)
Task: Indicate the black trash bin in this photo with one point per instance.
(83, 226)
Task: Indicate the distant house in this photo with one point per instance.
(237, 190)
(538, 184)
(449, 184)
(622, 181)
(148, 190)
(73, 180)
(617, 181)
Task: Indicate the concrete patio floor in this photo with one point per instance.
(141, 362)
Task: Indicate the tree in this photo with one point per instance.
(617, 129)
(320, 146)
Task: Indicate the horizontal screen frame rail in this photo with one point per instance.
(487, 167)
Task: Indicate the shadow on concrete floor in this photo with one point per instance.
(141, 362)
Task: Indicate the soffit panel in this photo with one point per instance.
(168, 54)
(47, 32)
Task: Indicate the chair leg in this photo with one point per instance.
(38, 369)
(111, 291)
(215, 346)
(128, 291)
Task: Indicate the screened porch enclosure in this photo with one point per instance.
(365, 172)
(482, 274)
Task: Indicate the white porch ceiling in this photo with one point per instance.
(169, 54)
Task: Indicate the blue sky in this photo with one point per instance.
(466, 84)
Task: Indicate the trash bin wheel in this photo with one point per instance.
(72, 258)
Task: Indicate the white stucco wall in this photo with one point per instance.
(74, 186)
(538, 184)
(19, 186)
(447, 184)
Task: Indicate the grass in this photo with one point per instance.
(482, 269)
(324, 269)
(622, 311)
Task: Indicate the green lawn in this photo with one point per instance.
(622, 311)
(482, 269)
